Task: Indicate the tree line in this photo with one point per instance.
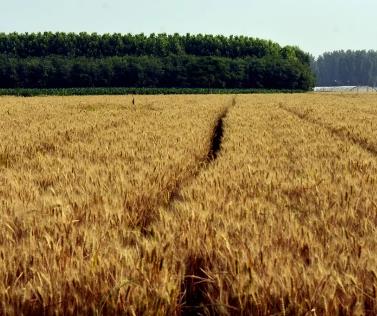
(346, 68)
(53, 60)
(98, 46)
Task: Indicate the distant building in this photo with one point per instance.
(361, 89)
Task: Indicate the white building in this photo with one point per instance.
(345, 89)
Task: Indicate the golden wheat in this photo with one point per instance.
(81, 181)
(284, 221)
(107, 208)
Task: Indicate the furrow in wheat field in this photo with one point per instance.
(352, 117)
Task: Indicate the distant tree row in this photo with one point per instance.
(98, 46)
(340, 68)
(42, 60)
(149, 71)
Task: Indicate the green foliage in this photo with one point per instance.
(184, 71)
(106, 45)
(346, 68)
(61, 60)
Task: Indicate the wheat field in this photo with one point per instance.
(189, 205)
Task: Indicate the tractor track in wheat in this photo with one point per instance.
(342, 134)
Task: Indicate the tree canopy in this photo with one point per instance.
(44, 60)
(346, 68)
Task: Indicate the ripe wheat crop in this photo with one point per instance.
(113, 208)
(81, 182)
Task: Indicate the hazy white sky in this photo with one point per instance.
(314, 25)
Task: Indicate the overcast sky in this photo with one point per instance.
(314, 25)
